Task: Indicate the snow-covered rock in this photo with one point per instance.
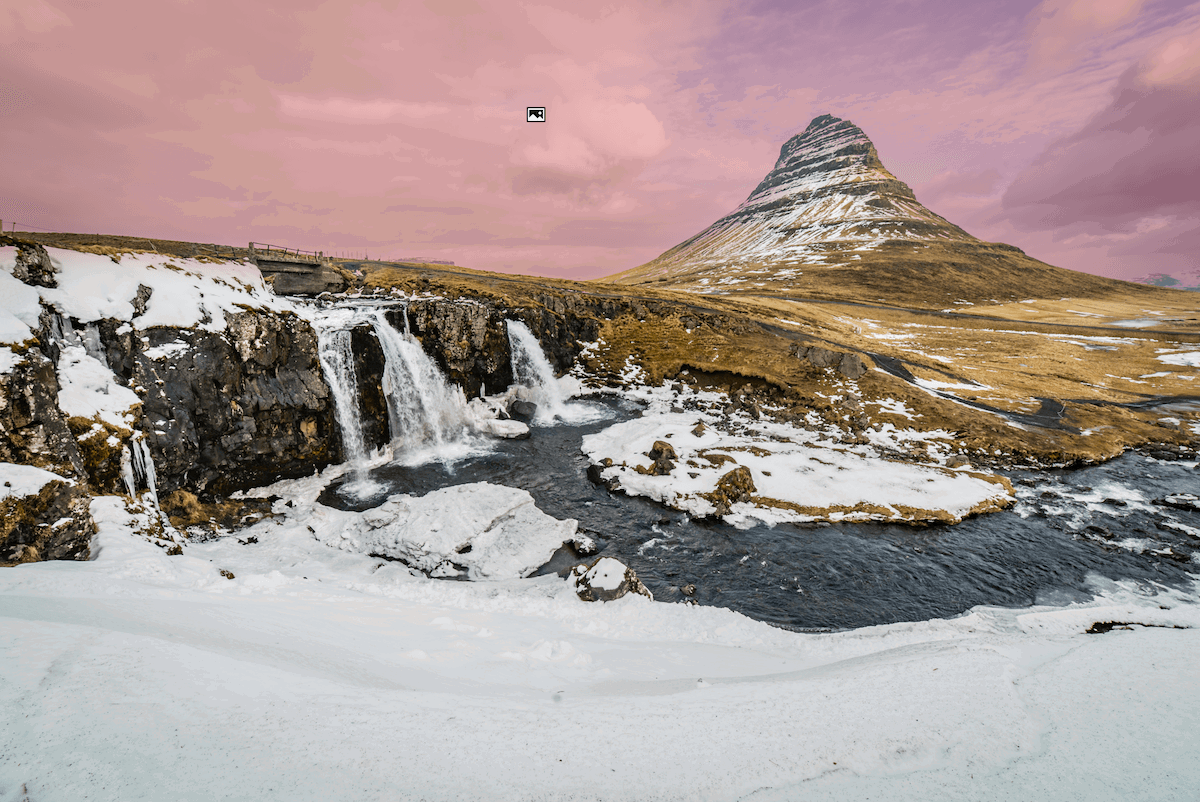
(25, 480)
(42, 515)
(479, 530)
(506, 429)
(606, 579)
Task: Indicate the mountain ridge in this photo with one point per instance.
(830, 220)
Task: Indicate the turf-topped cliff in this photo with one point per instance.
(829, 220)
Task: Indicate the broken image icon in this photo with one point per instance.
(535, 114)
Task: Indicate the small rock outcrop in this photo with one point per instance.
(50, 523)
(606, 579)
(732, 488)
(850, 365)
(595, 475)
(33, 267)
(664, 458)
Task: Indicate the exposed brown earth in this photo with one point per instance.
(1015, 355)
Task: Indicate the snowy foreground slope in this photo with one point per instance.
(315, 673)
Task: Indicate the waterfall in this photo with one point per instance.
(532, 369)
(337, 362)
(424, 410)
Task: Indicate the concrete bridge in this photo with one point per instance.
(292, 271)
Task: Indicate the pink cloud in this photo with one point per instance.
(399, 128)
(1127, 179)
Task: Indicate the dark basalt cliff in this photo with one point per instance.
(226, 410)
(232, 409)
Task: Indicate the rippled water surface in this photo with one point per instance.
(1066, 525)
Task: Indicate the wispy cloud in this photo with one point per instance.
(1059, 125)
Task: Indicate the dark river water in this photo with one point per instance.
(1065, 526)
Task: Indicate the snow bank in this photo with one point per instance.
(308, 673)
(185, 292)
(480, 530)
(8, 359)
(19, 303)
(25, 480)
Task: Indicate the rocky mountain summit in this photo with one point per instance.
(830, 220)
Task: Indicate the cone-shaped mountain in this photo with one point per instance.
(829, 220)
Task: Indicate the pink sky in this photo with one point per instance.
(1067, 127)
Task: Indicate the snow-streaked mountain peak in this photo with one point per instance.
(827, 200)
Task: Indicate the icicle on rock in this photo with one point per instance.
(143, 466)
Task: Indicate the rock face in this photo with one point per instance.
(223, 411)
(219, 410)
(372, 404)
(33, 430)
(606, 579)
(468, 340)
(288, 279)
(51, 524)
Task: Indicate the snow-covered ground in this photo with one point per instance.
(183, 292)
(266, 665)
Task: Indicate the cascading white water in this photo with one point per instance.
(425, 411)
(532, 369)
(337, 362)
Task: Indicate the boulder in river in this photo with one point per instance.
(506, 429)
(522, 409)
(606, 579)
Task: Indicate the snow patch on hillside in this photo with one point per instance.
(184, 292)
